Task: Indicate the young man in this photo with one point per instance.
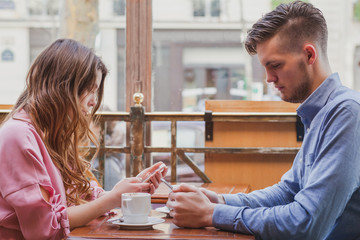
(319, 197)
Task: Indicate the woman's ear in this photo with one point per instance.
(311, 53)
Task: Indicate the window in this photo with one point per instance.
(52, 7)
(199, 8)
(206, 8)
(119, 7)
(215, 8)
(7, 4)
(7, 56)
(195, 43)
(209, 82)
(35, 7)
(43, 7)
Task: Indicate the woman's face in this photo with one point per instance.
(89, 99)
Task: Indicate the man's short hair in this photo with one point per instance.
(296, 22)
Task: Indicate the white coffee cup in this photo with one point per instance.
(136, 207)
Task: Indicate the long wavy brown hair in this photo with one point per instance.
(59, 76)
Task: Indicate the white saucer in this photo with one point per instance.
(164, 209)
(136, 226)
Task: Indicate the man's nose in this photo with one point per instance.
(270, 78)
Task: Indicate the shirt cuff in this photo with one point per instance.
(59, 212)
(229, 218)
(96, 190)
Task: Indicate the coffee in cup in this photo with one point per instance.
(136, 207)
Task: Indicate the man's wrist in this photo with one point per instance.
(209, 215)
(221, 199)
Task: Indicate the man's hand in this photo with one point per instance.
(213, 196)
(190, 207)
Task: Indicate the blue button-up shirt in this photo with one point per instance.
(319, 197)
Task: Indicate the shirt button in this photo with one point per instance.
(300, 159)
(308, 129)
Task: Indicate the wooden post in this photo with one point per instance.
(137, 126)
(138, 60)
(138, 50)
(173, 162)
(101, 154)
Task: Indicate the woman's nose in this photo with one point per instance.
(93, 101)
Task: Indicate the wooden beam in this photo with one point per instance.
(193, 166)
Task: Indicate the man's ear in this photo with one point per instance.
(311, 53)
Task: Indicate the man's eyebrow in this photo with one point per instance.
(269, 62)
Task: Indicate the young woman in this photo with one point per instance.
(44, 184)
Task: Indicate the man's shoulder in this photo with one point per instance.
(340, 102)
(345, 97)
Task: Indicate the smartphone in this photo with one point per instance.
(160, 169)
(167, 184)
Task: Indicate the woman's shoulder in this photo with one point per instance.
(22, 157)
(16, 132)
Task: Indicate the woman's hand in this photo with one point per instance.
(132, 184)
(153, 175)
(128, 185)
(83, 213)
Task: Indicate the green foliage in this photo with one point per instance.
(275, 3)
(357, 10)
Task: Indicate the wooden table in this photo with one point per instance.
(101, 229)
(161, 194)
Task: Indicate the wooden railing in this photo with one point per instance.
(137, 147)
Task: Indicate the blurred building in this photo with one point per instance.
(197, 48)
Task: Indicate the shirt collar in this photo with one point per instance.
(316, 101)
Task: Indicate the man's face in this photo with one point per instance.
(286, 69)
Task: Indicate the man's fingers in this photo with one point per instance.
(172, 213)
(171, 196)
(185, 188)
